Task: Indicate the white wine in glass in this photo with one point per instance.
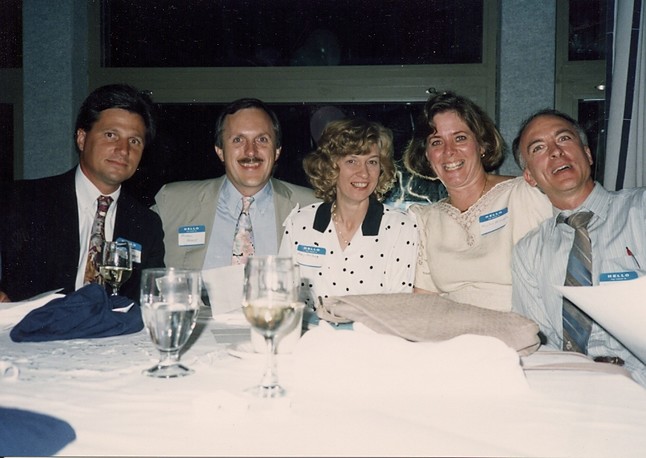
(116, 264)
(170, 301)
(269, 305)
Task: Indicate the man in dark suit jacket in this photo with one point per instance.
(46, 225)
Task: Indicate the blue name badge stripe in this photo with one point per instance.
(134, 245)
(618, 276)
(493, 215)
(191, 229)
(307, 249)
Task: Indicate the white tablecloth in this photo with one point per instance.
(97, 386)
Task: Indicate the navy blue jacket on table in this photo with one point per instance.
(40, 237)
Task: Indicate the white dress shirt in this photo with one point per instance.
(86, 198)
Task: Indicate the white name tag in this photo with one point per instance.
(135, 249)
(493, 221)
(191, 235)
(309, 256)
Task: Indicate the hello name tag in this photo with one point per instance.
(135, 249)
(493, 221)
(309, 256)
(617, 276)
(191, 235)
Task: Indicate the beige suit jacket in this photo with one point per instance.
(188, 203)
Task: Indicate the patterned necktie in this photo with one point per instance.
(576, 324)
(96, 240)
(243, 238)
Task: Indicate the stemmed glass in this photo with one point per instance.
(116, 264)
(170, 301)
(269, 304)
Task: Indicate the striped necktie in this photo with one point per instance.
(243, 245)
(576, 324)
(97, 237)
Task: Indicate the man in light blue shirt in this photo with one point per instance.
(552, 150)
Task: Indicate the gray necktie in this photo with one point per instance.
(576, 324)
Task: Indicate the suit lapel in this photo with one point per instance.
(204, 213)
(64, 222)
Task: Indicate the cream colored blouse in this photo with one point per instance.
(467, 256)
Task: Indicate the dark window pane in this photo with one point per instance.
(6, 142)
(249, 33)
(184, 150)
(587, 36)
(591, 118)
(11, 34)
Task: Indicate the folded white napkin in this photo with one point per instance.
(12, 312)
(362, 363)
(224, 286)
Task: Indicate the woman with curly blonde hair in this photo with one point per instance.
(351, 243)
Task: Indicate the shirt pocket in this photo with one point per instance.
(620, 268)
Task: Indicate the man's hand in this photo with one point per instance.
(4, 297)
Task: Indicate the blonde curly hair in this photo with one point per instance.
(343, 138)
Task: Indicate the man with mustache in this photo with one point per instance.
(553, 152)
(200, 217)
(46, 231)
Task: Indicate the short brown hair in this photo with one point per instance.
(476, 118)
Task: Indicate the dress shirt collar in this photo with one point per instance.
(371, 222)
(233, 199)
(87, 193)
(597, 202)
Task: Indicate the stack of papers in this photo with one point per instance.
(619, 307)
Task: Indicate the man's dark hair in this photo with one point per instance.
(242, 104)
(117, 96)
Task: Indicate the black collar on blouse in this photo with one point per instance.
(371, 222)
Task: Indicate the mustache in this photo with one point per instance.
(250, 160)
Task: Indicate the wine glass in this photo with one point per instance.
(116, 264)
(170, 301)
(269, 304)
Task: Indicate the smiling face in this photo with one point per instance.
(557, 161)
(111, 150)
(248, 149)
(453, 152)
(358, 175)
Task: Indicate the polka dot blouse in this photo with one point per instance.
(380, 258)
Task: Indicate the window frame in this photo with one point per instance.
(575, 80)
(347, 84)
